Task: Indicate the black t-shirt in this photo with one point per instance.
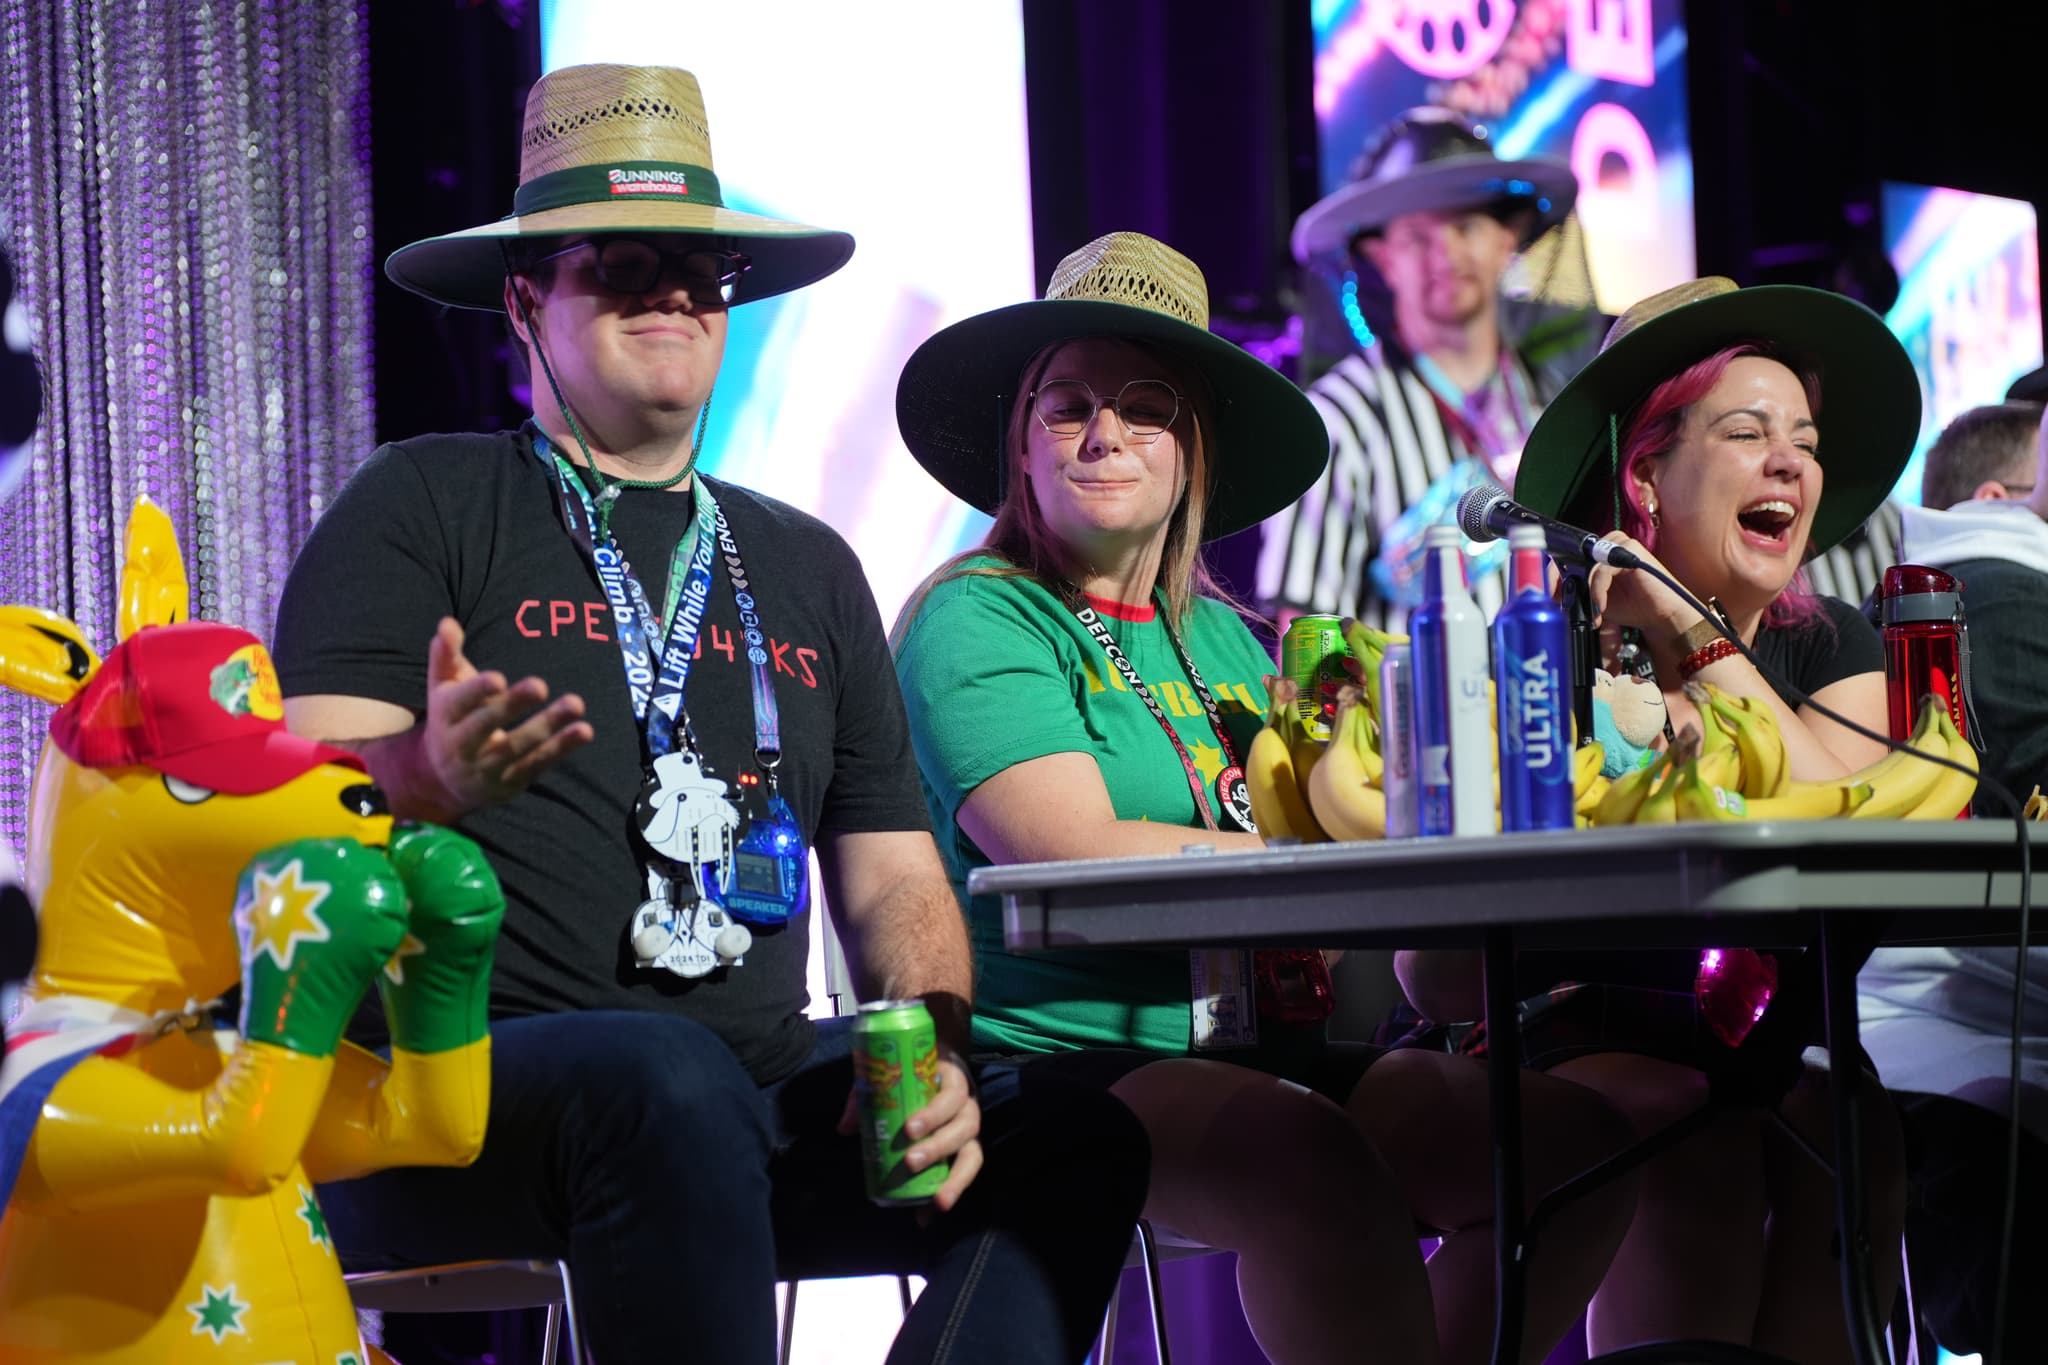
(468, 526)
(1819, 653)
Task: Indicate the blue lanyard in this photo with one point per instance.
(656, 676)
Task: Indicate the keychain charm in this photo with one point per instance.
(677, 931)
(1234, 798)
(685, 816)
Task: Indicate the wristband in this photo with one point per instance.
(1715, 650)
(1703, 632)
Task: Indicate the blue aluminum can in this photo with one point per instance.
(1453, 749)
(1531, 679)
(1397, 740)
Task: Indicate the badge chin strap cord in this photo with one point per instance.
(604, 490)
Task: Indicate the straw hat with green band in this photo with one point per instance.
(1870, 397)
(616, 149)
(953, 400)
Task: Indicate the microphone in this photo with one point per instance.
(1486, 512)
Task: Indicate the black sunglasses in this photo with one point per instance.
(634, 265)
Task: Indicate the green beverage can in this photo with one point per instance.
(1312, 653)
(895, 1074)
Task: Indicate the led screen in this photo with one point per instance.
(1969, 307)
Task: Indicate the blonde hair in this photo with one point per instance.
(1028, 548)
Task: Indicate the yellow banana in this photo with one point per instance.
(1721, 766)
(1699, 799)
(1278, 806)
(1345, 802)
(1765, 771)
(1660, 807)
(1714, 736)
(1812, 801)
(1589, 800)
(1368, 646)
(1625, 795)
(1903, 778)
(1952, 790)
(1694, 798)
(2037, 805)
(1586, 761)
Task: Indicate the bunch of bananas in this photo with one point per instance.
(1313, 791)
(1733, 766)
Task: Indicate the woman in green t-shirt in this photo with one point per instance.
(1078, 687)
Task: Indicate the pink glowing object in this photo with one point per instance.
(1447, 39)
(1610, 40)
(1734, 987)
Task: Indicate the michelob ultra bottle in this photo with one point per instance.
(1453, 740)
(1531, 684)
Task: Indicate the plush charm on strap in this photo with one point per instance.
(157, 1175)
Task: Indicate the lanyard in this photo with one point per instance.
(1468, 414)
(656, 673)
(1091, 621)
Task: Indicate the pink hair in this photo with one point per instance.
(1651, 432)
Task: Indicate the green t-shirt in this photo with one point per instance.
(996, 671)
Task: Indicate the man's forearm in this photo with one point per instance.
(398, 766)
(915, 946)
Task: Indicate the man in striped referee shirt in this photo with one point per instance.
(1442, 396)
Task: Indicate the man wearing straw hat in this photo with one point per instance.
(1442, 396)
(663, 1114)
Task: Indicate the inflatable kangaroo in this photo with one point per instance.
(158, 1173)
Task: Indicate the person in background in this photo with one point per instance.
(1700, 435)
(1444, 392)
(1938, 1021)
(1079, 688)
(476, 615)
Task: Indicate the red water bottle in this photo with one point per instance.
(1926, 647)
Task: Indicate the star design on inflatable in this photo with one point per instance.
(281, 912)
(316, 1221)
(395, 968)
(218, 1313)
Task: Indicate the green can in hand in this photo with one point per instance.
(895, 1074)
(1312, 653)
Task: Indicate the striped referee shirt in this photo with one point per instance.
(1855, 568)
(1388, 443)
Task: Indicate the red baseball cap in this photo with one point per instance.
(197, 700)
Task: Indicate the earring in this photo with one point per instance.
(1656, 522)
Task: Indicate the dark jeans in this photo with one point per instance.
(635, 1146)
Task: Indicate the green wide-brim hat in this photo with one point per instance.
(1869, 417)
(954, 397)
(616, 149)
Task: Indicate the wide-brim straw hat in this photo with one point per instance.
(954, 398)
(616, 149)
(1870, 397)
(1431, 160)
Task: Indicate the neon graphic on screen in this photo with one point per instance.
(1598, 83)
(1969, 306)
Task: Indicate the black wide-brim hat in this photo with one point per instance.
(1870, 396)
(954, 397)
(1431, 160)
(616, 149)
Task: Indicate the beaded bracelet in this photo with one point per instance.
(1712, 652)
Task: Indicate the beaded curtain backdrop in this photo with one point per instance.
(185, 188)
